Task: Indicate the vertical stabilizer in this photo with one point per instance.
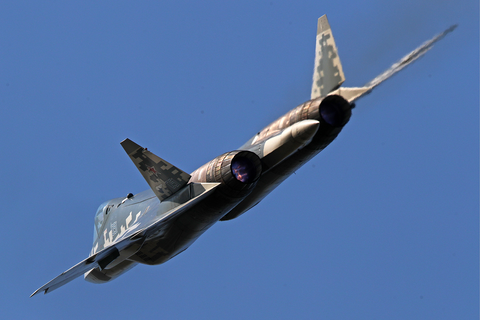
(164, 178)
(328, 73)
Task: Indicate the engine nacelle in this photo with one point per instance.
(237, 171)
(332, 111)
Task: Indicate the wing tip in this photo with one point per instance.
(38, 291)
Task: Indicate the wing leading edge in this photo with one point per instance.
(352, 94)
(101, 260)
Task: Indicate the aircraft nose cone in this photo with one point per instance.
(304, 131)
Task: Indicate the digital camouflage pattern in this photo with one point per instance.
(155, 225)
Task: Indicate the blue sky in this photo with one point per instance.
(383, 224)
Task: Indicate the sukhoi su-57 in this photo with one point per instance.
(153, 226)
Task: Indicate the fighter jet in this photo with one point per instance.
(154, 226)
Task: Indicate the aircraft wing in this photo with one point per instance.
(100, 259)
(136, 237)
(352, 94)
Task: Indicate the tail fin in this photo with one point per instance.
(352, 94)
(164, 178)
(328, 73)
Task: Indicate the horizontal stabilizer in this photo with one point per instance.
(351, 94)
(164, 178)
(328, 73)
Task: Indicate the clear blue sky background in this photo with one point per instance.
(381, 225)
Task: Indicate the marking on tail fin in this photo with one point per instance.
(328, 72)
(164, 178)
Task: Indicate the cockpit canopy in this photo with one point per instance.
(100, 216)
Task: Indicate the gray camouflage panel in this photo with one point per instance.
(164, 178)
(328, 73)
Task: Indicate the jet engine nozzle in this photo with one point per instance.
(237, 171)
(335, 111)
(243, 169)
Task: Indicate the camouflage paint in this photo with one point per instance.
(155, 225)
